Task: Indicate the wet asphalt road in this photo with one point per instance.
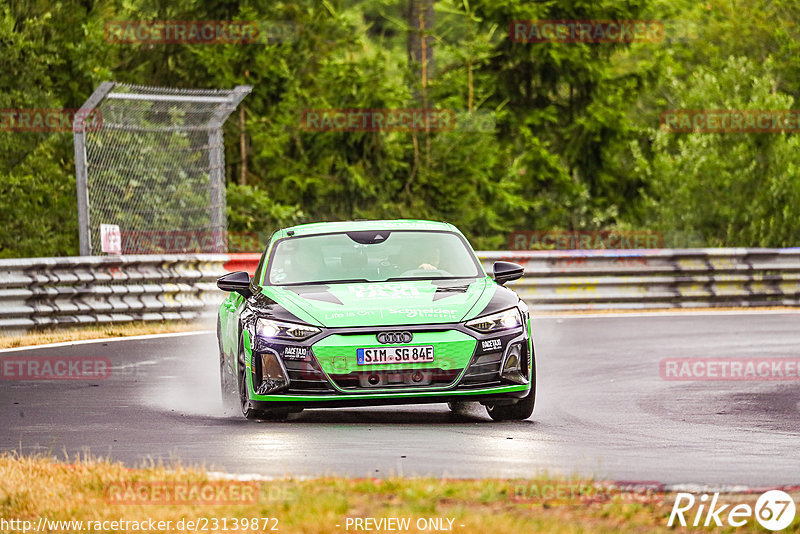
(602, 410)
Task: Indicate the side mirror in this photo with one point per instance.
(505, 271)
(238, 282)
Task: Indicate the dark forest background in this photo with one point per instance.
(575, 145)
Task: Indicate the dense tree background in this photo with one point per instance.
(576, 144)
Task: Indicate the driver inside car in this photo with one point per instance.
(430, 261)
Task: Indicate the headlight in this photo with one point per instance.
(504, 320)
(269, 328)
(526, 316)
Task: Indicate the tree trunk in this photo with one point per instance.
(420, 44)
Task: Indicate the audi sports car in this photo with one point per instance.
(368, 313)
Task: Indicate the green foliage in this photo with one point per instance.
(734, 189)
(575, 141)
(252, 211)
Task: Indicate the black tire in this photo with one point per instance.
(518, 411)
(228, 388)
(227, 381)
(461, 408)
(244, 402)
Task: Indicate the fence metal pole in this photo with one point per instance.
(216, 177)
(216, 158)
(81, 176)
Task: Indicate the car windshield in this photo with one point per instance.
(372, 256)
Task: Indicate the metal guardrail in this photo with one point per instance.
(57, 292)
(102, 289)
(658, 278)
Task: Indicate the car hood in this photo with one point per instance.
(385, 303)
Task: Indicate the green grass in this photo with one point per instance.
(31, 488)
(100, 331)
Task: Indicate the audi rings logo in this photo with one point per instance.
(395, 337)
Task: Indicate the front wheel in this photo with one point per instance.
(228, 388)
(227, 381)
(244, 401)
(518, 411)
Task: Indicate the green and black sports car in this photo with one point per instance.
(369, 313)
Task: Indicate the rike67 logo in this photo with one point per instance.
(774, 510)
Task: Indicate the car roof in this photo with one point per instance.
(350, 226)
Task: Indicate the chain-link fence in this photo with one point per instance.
(151, 170)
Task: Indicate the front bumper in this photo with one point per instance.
(268, 402)
(322, 371)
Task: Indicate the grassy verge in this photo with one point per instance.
(100, 491)
(99, 331)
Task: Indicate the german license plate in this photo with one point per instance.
(383, 355)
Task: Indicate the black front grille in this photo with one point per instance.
(397, 379)
(306, 377)
(483, 370)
